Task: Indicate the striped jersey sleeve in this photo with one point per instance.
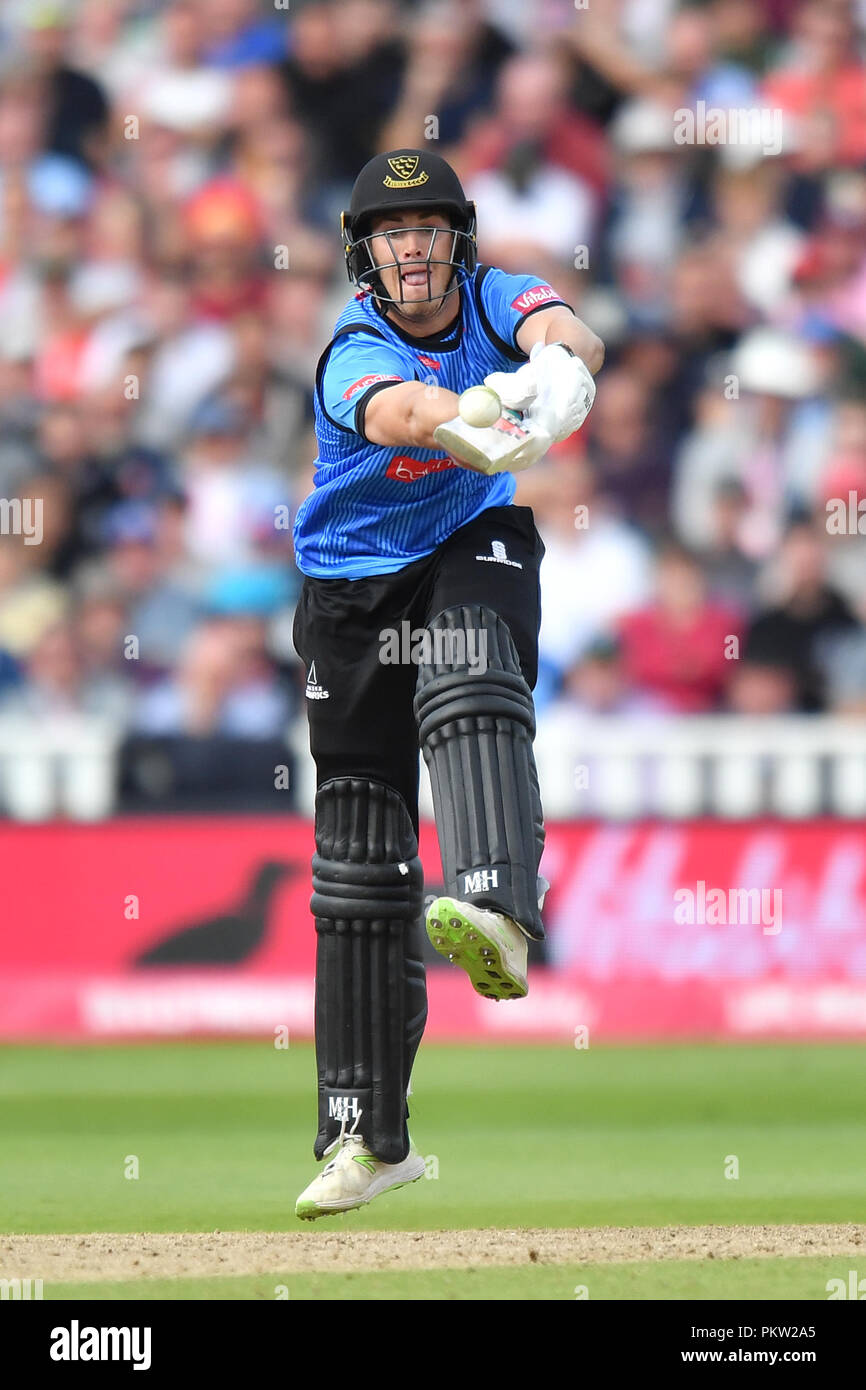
(357, 366)
(508, 300)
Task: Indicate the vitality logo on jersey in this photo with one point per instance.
(499, 556)
(405, 166)
(314, 691)
(530, 299)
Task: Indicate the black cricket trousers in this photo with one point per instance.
(360, 711)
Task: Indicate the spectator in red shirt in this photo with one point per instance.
(824, 88)
(679, 646)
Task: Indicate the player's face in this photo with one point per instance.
(422, 244)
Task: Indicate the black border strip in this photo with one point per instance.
(512, 353)
(551, 304)
(357, 327)
(361, 407)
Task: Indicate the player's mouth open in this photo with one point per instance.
(414, 277)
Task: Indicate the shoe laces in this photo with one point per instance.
(343, 1138)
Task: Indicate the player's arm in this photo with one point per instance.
(408, 413)
(555, 388)
(560, 325)
(363, 387)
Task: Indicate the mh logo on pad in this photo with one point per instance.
(481, 881)
(343, 1108)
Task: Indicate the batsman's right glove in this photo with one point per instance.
(554, 388)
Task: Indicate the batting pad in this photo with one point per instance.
(476, 723)
(371, 993)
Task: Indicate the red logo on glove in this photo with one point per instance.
(530, 299)
(506, 426)
(408, 470)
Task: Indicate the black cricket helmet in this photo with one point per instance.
(393, 182)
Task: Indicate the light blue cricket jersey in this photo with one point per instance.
(373, 509)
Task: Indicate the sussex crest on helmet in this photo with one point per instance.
(405, 166)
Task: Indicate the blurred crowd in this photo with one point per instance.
(171, 177)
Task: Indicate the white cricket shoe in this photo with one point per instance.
(354, 1177)
(489, 946)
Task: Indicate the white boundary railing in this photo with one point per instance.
(59, 767)
(620, 768)
(616, 768)
(725, 766)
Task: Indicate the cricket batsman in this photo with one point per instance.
(442, 380)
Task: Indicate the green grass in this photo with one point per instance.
(544, 1136)
(523, 1136)
(672, 1279)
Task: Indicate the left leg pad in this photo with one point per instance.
(476, 723)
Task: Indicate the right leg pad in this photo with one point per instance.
(371, 1000)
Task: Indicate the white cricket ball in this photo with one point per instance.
(480, 406)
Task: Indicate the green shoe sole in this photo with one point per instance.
(467, 945)
(310, 1211)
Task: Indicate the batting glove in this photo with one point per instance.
(566, 389)
(516, 390)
